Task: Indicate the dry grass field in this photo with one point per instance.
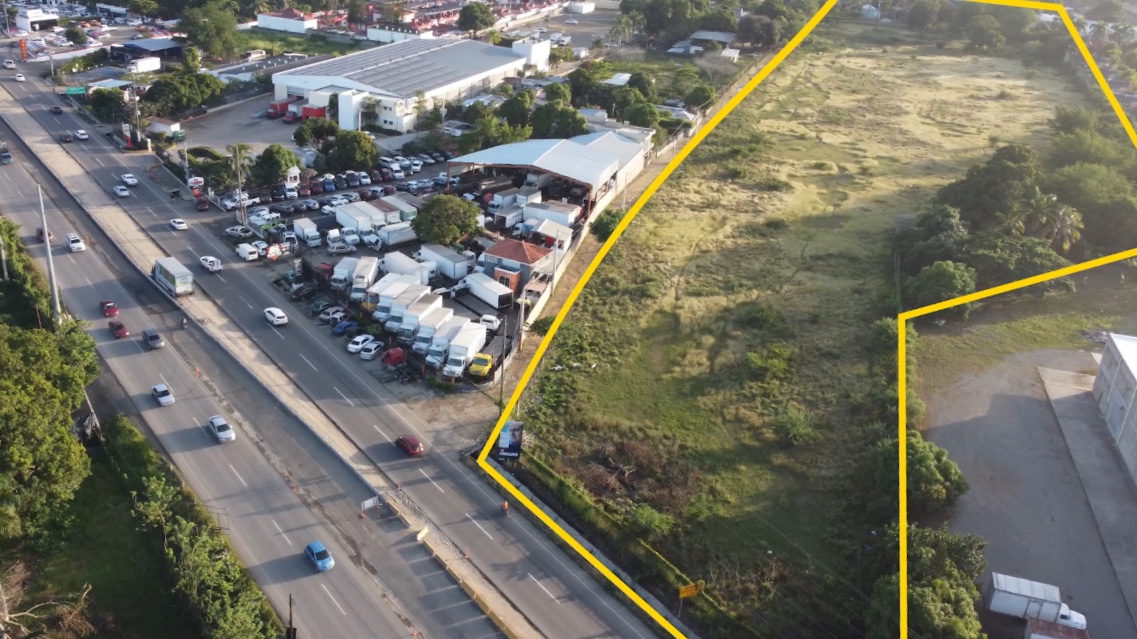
(719, 348)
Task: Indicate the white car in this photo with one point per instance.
(9, 64)
(329, 312)
(339, 200)
(129, 179)
(240, 232)
(339, 248)
(364, 179)
(275, 316)
(75, 243)
(371, 350)
(337, 317)
(210, 263)
(178, 224)
(162, 394)
(397, 173)
(121, 191)
(220, 429)
(357, 344)
(290, 193)
(416, 166)
(82, 135)
(19, 77)
(572, 21)
(262, 247)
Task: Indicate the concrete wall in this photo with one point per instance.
(1115, 390)
(394, 34)
(299, 27)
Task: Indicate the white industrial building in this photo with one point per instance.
(630, 147)
(382, 85)
(573, 161)
(1115, 389)
(31, 19)
(289, 20)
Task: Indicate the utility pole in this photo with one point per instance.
(290, 631)
(55, 307)
(4, 258)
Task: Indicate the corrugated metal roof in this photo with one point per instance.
(623, 147)
(572, 160)
(405, 68)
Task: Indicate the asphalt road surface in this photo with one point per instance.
(267, 523)
(558, 596)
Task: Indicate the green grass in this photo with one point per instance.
(131, 591)
(277, 43)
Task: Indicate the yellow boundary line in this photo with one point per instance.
(902, 318)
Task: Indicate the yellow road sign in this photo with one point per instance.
(688, 591)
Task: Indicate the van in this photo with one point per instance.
(255, 54)
(388, 163)
(247, 252)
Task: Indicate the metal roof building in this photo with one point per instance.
(564, 158)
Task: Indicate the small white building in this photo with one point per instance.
(289, 20)
(31, 19)
(1115, 389)
(582, 7)
(391, 33)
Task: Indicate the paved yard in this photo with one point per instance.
(1026, 496)
(244, 122)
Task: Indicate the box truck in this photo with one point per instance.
(277, 108)
(463, 348)
(451, 263)
(538, 180)
(559, 212)
(484, 287)
(371, 299)
(349, 218)
(427, 326)
(387, 298)
(173, 276)
(306, 232)
(396, 234)
(343, 272)
(396, 262)
(1038, 629)
(364, 276)
(440, 344)
(404, 323)
(144, 65)
(1027, 599)
(400, 303)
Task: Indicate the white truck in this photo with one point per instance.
(407, 321)
(396, 234)
(306, 232)
(384, 213)
(387, 298)
(403, 305)
(353, 224)
(363, 277)
(1027, 599)
(503, 199)
(395, 262)
(440, 344)
(144, 65)
(173, 276)
(371, 300)
(343, 272)
(427, 326)
(407, 211)
(1039, 629)
(450, 263)
(493, 293)
(538, 180)
(559, 212)
(463, 348)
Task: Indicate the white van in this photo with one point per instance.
(247, 252)
(388, 163)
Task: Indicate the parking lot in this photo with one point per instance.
(242, 122)
(588, 27)
(1027, 498)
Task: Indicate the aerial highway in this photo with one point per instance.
(267, 524)
(560, 598)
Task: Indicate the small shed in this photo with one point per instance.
(869, 12)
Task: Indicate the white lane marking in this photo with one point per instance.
(163, 378)
(278, 334)
(238, 476)
(544, 588)
(309, 363)
(431, 480)
(195, 254)
(344, 396)
(221, 278)
(281, 532)
(328, 592)
(247, 303)
(382, 433)
(88, 281)
(100, 162)
(479, 526)
(72, 259)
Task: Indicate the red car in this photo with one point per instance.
(109, 309)
(410, 445)
(316, 187)
(304, 190)
(119, 329)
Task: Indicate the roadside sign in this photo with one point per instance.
(688, 591)
(75, 91)
(23, 49)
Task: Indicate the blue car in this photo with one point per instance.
(329, 185)
(344, 327)
(319, 556)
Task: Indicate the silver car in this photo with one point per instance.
(220, 429)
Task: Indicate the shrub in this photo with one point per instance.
(794, 426)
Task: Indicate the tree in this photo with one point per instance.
(212, 27)
(923, 13)
(934, 481)
(558, 92)
(643, 115)
(700, 97)
(191, 60)
(560, 55)
(643, 83)
(315, 130)
(273, 163)
(476, 112)
(984, 32)
(606, 223)
(106, 103)
(937, 235)
(445, 219)
(351, 150)
(555, 120)
(143, 7)
(491, 131)
(999, 259)
(178, 93)
(1107, 11)
(1045, 217)
(240, 162)
(621, 29)
(721, 19)
(517, 110)
(942, 281)
(991, 192)
(76, 35)
(662, 16)
(357, 12)
(1070, 120)
(1092, 147)
(475, 16)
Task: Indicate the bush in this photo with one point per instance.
(541, 326)
(794, 426)
(606, 223)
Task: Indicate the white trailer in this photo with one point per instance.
(404, 320)
(440, 344)
(399, 306)
(144, 65)
(396, 234)
(395, 262)
(428, 326)
(388, 296)
(371, 300)
(451, 263)
(343, 272)
(306, 232)
(559, 212)
(463, 348)
(1027, 599)
(484, 287)
(349, 218)
(364, 276)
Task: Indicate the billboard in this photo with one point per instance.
(509, 441)
(23, 49)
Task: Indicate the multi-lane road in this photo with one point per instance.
(558, 597)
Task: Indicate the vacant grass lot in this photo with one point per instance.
(277, 43)
(711, 365)
(131, 591)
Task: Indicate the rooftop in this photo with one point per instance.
(404, 68)
(624, 147)
(1127, 348)
(289, 13)
(565, 158)
(722, 37)
(152, 45)
(517, 251)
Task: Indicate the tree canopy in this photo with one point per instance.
(445, 219)
(475, 16)
(175, 94)
(351, 150)
(517, 110)
(212, 27)
(555, 120)
(939, 282)
(273, 163)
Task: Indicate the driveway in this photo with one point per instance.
(1027, 499)
(244, 122)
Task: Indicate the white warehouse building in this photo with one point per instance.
(1115, 390)
(382, 85)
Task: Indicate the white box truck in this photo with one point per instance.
(1027, 599)
(144, 65)
(407, 322)
(396, 234)
(1039, 629)
(399, 306)
(173, 276)
(343, 272)
(463, 348)
(451, 263)
(348, 218)
(428, 326)
(559, 212)
(491, 292)
(538, 180)
(387, 299)
(306, 232)
(364, 276)
(371, 300)
(396, 262)
(439, 347)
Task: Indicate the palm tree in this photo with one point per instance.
(242, 155)
(493, 37)
(1046, 218)
(621, 29)
(636, 21)
(1099, 33)
(1123, 34)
